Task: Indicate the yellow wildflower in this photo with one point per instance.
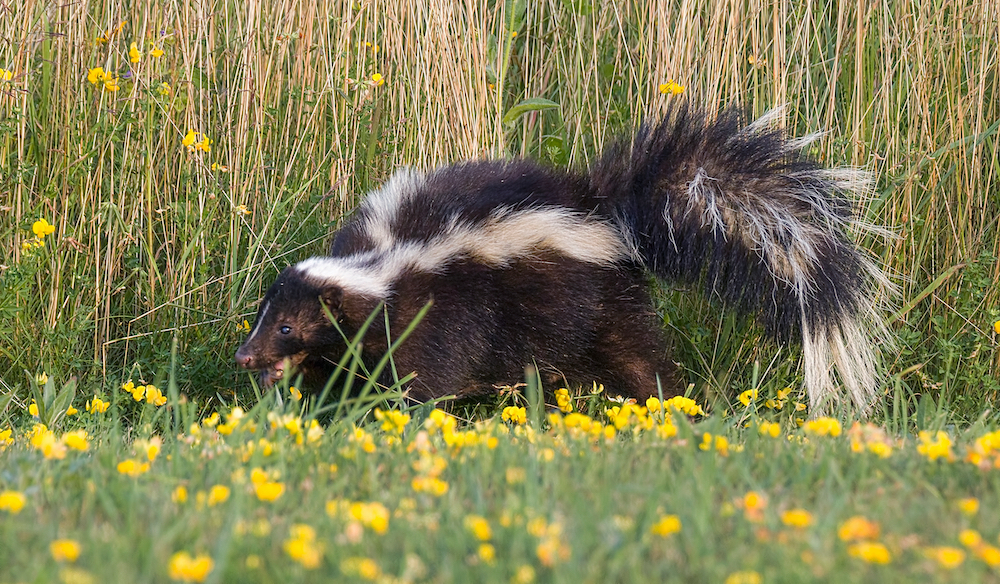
(487, 553)
(514, 415)
(377, 79)
(111, 83)
(155, 396)
(747, 397)
(799, 518)
(393, 421)
(33, 408)
(772, 429)
(194, 141)
(858, 528)
(364, 568)
(6, 438)
(111, 32)
(95, 75)
(871, 438)
(685, 405)
(564, 401)
(970, 538)
(6, 75)
(373, 515)
(150, 447)
(97, 405)
(233, 420)
(186, 568)
(552, 550)
(968, 506)
(180, 494)
(824, 426)
(314, 432)
(666, 430)
(996, 327)
(525, 574)
(432, 485)
(64, 550)
(935, 446)
(41, 228)
(12, 501)
(989, 554)
(134, 54)
(719, 443)
(671, 87)
(753, 504)
(870, 551)
(132, 468)
(156, 52)
(946, 556)
(667, 525)
(362, 438)
(217, 494)
(439, 420)
(303, 547)
(44, 440)
(269, 490)
(77, 440)
(30, 244)
(479, 527)
(880, 449)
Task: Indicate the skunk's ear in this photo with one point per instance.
(333, 298)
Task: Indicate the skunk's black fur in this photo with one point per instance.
(530, 265)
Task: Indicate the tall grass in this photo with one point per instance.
(154, 242)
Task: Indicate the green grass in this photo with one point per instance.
(160, 252)
(555, 503)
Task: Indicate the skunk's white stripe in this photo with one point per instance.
(260, 321)
(380, 206)
(505, 236)
(510, 234)
(346, 273)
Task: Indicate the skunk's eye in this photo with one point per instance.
(285, 330)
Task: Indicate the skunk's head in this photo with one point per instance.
(294, 326)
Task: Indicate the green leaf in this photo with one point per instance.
(531, 104)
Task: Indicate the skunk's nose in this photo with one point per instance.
(244, 358)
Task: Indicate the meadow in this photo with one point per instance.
(160, 162)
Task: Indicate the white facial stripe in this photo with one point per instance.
(260, 321)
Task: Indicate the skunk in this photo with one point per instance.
(529, 265)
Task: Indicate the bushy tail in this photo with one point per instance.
(741, 210)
